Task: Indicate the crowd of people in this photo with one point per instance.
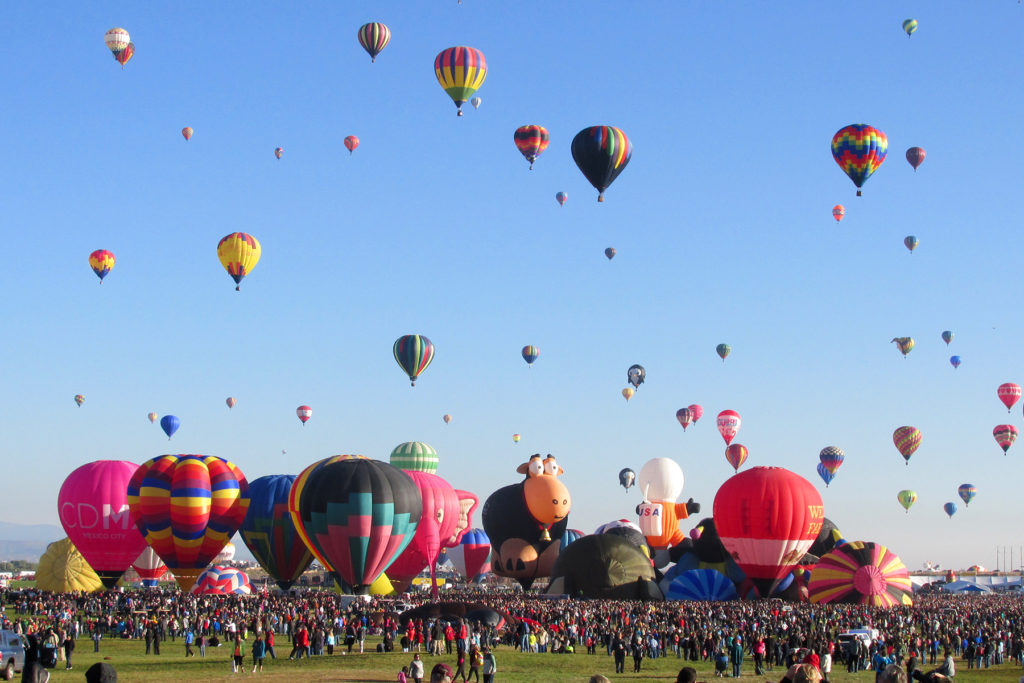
(934, 637)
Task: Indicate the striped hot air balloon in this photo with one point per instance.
(861, 573)
(736, 454)
(704, 585)
(269, 531)
(825, 475)
(530, 354)
(304, 413)
(832, 458)
(102, 262)
(413, 353)
(460, 71)
(188, 507)
(967, 492)
(1005, 435)
(859, 149)
(238, 253)
(374, 37)
(219, 580)
(415, 456)
(472, 556)
(531, 141)
(1009, 393)
(601, 153)
(907, 440)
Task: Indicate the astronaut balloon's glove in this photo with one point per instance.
(691, 507)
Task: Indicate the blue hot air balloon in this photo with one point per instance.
(701, 585)
(170, 424)
(954, 361)
(967, 493)
(950, 508)
(270, 533)
(825, 475)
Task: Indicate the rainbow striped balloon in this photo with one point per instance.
(861, 573)
(859, 150)
(414, 353)
(374, 37)
(460, 71)
(531, 141)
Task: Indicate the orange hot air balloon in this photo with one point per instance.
(351, 142)
(736, 454)
(186, 132)
(838, 211)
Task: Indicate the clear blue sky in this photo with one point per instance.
(722, 222)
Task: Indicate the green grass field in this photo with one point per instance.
(133, 665)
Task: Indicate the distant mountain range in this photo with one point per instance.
(27, 541)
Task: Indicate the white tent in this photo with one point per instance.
(966, 587)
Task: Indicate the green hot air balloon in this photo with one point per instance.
(415, 456)
(723, 351)
(414, 352)
(907, 498)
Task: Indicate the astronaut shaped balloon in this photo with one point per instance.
(661, 482)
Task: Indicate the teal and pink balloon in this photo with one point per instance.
(831, 458)
(1005, 435)
(270, 533)
(859, 149)
(723, 351)
(950, 508)
(911, 242)
(1009, 393)
(413, 353)
(967, 492)
(947, 337)
(955, 361)
(530, 354)
(610, 253)
(601, 153)
(93, 509)
(561, 198)
(170, 424)
(825, 475)
(915, 157)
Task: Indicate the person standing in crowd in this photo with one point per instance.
(237, 654)
(619, 652)
(476, 661)
(736, 655)
(259, 652)
(637, 650)
(416, 668)
(270, 643)
(190, 638)
(490, 667)
(69, 647)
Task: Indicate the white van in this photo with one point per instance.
(864, 634)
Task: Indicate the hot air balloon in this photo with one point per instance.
(187, 508)
(859, 150)
(531, 141)
(414, 353)
(1009, 393)
(627, 393)
(93, 509)
(967, 492)
(79, 400)
(911, 242)
(218, 580)
(374, 37)
(1005, 435)
(950, 509)
(947, 337)
(601, 152)
(304, 413)
(62, 569)
(447, 418)
(915, 157)
(905, 344)
(186, 133)
(351, 142)
(955, 361)
(838, 211)
(226, 554)
(152, 417)
(460, 71)
(635, 375)
(561, 198)
(415, 456)
(356, 515)
(124, 55)
(685, 417)
(170, 424)
(767, 518)
(476, 101)
(736, 454)
(530, 354)
(723, 350)
(102, 262)
(472, 556)
(825, 475)
(516, 437)
(278, 152)
(909, 26)
(861, 573)
(117, 40)
(831, 457)
(907, 498)
(269, 532)
(149, 567)
(704, 585)
(231, 401)
(238, 253)
(907, 439)
(627, 478)
(728, 425)
(610, 253)
(696, 411)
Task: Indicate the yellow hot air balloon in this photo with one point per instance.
(238, 253)
(62, 569)
(460, 71)
(627, 393)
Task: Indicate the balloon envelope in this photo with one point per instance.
(627, 478)
(152, 417)
(601, 153)
(909, 26)
(219, 580)
(238, 253)
(62, 569)
(413, 353)
(530, 354)
(170, 424)
(955, 361)
(907, 498)
(728, 422)
(186, 133)
(915, 156)
(911, 242)
(907, 439)
(723, 350)
(967, 492)
(561, 198)
(374, 37)
(705, 585)
(947, 337)
(304, 413)
(188, 507)
(635, 375)
(472, 556)
(460, 71)
(831, 457)
(269, 531)
(861, 573)
(950, 509)
(838, 211)
(531, 141)
(149, 567)
(697, 411)
(610, 253)
(415, 456)
(93, 509)
(859, 150)
(825, 474)
(736, 454)
(685, 417)
(476, 102)
(1005, 435)
(351, 142)
(231, 401)
(102, 262)
(1009, 393)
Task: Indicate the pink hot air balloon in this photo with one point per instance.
(696, 411)
(1009, 394)
(685, 417)
(304, 413)
(728, 425)
(447, 515)
(93, 508)
(1005, 435)
(150, 568)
